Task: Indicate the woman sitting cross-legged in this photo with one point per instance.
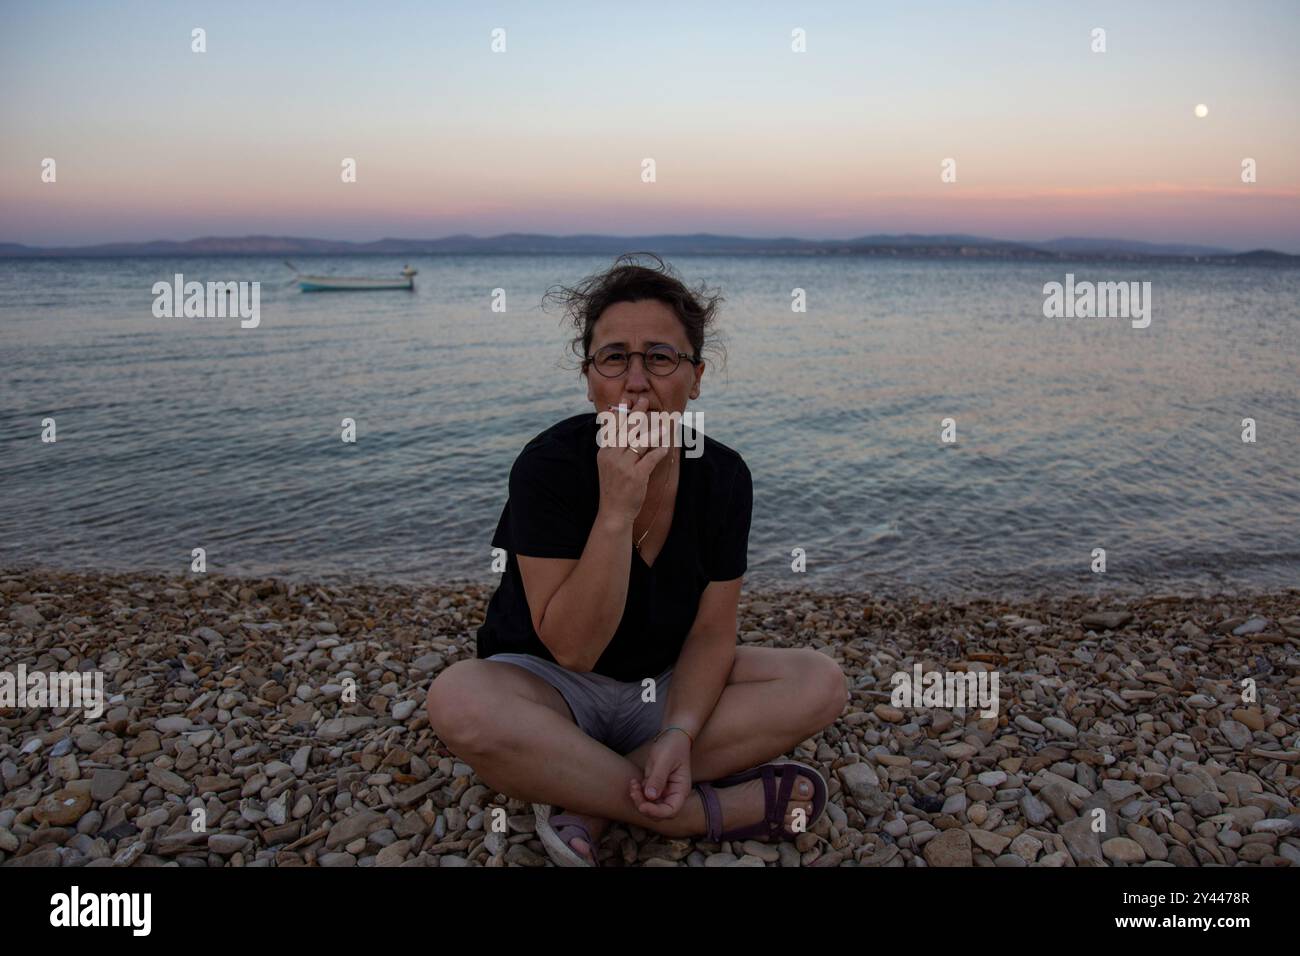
(608, 679)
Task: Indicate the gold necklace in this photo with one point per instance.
(659, 504)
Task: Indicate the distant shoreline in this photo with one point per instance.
(947, 247)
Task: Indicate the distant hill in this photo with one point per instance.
(1142, 248)
(903, 246)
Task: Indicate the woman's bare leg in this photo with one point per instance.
(532, 691)
(503, 721)
(775, 699)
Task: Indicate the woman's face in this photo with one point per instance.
(636, 327)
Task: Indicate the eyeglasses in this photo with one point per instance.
(612, 361)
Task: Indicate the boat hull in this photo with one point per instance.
(344, 284)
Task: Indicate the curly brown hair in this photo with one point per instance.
(629, 281)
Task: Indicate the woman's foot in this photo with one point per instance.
(595, 826)
(745, 803)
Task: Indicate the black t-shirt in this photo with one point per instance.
(554, 497)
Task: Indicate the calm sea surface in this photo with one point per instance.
(1072, 434)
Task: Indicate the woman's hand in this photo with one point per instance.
(666, 780)
(625, 473)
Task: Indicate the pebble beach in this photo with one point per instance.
(226, 695)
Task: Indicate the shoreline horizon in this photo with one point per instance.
(894, 591)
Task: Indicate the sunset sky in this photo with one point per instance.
(153, 141)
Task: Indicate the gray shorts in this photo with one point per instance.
(607, 710)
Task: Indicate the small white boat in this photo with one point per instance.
(355, 283)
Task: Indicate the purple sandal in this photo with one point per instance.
(773, 823)
(555, 832)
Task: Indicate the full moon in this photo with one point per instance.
(1201, 111)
